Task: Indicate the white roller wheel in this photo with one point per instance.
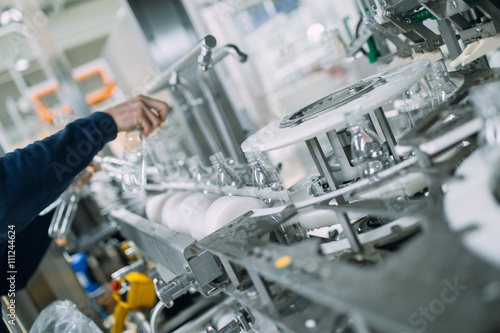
(226, 209)
(171, 215)
(193, 210)
(154, 206)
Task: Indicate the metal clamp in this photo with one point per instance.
(168, 292)
(242, 322)
(64, 215)
(136, 266)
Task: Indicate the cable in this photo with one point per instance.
(157, 310)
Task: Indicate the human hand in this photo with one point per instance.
(144, 111)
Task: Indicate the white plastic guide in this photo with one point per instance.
(398, 80)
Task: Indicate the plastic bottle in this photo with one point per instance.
(440, 83)
(225, 177)
(368, 153)
(269, 188)
(198, 172)
(266, 180)
(161, 155)
(134, 166)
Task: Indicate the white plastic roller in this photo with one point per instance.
(193, 210)
(154, 206)
(226, 209)
(171, 215)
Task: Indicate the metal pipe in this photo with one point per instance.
(203, 48)
(199, 116)
(227, 134)
(154, 316)
(323, 167)
(227, 49)
(225, 131)
(350, 233)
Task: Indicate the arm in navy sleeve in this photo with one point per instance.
(33, 177)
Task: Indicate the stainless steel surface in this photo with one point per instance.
(380, 255)
(169, 291)
(322, 164)
(136, 266)
(207, 130)
(331, 102)
(224, 129)
(388, 135)
(202, 48)
(162, 244)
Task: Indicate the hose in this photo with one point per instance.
(157, 310)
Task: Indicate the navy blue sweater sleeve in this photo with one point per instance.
(33, 177)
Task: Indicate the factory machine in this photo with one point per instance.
(394, 228)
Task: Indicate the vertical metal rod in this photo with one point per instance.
(200, 118)
(322, 165)
(184, 123)
(231, 273)
(483, 62)
(449, 38)
(225, 131)
(347, 171)
(261, 288)
(351, 235)
(386, 130)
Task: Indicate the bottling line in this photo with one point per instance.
(370, 208)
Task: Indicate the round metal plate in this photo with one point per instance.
(319, 119)
(331, 102)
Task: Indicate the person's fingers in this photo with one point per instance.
(145, 123)
(141, 110)
(154, 119)
(159, 106)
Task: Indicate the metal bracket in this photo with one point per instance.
(168, 292)
(242, 322)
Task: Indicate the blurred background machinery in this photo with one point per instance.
(325, 166)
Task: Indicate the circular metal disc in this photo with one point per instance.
(316, 118)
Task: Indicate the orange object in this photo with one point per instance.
(101, 94)
(46, 114)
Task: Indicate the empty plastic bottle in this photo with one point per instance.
(269, 188)
(266, 180)
(198, 172)
(441, 85)
(368, 153)
(161, 155)
(225, 177)
(134, 156)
